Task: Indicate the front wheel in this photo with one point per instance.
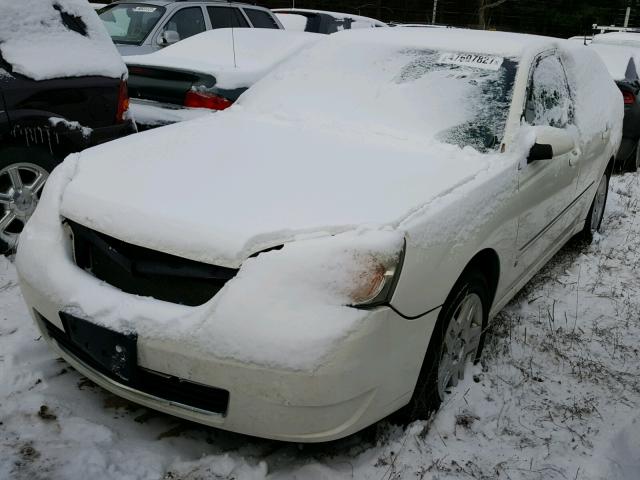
(596, 212)
(456, 342)
(23, 173)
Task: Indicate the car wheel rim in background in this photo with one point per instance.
(20, 188)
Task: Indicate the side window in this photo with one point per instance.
(260, 18)
(187, 22)
(549, 99)
(225, 17)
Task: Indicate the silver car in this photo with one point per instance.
(146, 26)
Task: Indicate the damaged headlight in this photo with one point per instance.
(374, 285)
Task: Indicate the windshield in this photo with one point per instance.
(457, 98)
(130, 23)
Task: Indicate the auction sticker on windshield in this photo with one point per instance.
(487, 62)
(145, 9)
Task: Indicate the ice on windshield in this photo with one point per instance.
(452, 97)
(474, 90)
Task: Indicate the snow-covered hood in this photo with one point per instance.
(219, 189)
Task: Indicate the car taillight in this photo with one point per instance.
(123, 102)
(629, 98)
(211, 101)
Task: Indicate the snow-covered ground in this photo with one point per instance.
(557, 395)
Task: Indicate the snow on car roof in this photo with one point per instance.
(451, 39)
(256, 52)
(44, 39)
(616, 59)
(618, 38)
(292, 21)
(333, 14)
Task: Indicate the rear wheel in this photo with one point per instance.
(23, 173)
(632, 163)
(457, 341)
(596, 212)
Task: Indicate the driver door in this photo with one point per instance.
(546, 187)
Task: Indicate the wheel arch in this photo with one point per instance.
(610, 166)
(487, 262)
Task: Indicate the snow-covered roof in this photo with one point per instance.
(37, 43)
(257, 51)
(338, 15)
(618, 38)
(450, 39)
(616, 58)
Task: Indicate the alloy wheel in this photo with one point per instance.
(461, 342)
(20, 188)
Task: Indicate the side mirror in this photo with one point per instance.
(550, 142)
(168, 37)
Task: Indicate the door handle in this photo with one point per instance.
(574, 157)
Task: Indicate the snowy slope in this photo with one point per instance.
(557, 396)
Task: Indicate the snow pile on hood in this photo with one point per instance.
(622, 61)
(235, 57)
(42, 39)
(249, 196)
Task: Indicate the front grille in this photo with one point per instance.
(145, 272)
(166, 387)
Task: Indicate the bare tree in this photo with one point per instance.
(483, 6)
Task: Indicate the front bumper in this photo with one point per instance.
(366, 376)
(371, 375)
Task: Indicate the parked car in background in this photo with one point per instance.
(62, 89)
(206, 73)
(320, 21)
(621, 54)
(584, 39)
(145, 26)
(331, 248)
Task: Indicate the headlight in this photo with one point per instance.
(374, 285)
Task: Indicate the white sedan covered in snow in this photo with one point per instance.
(331, 248)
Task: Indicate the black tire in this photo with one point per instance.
(632, 164)
(37, 157)
(426, 398)
(589, 229)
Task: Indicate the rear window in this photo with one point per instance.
(130, 23)
(260, 18)
(225, 17)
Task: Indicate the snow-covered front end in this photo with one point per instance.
(276, 353)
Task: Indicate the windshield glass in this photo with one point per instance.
(130, 23)
(457, 98)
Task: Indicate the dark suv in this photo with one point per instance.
(44, 120)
